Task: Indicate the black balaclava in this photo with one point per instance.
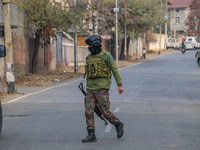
(95, 49)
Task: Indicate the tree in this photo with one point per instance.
(193, 20)
(139, 16)
(45, 16)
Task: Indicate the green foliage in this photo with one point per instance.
(138, 15)
(193, 20)
(42, 13)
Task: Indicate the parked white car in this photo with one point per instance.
(198, 45)
(189, 45)
(193, 44)
(172, 44)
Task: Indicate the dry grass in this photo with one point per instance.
(45, 78)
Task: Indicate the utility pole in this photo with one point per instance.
(160, 31)
(175, 25)
(90, 20)
(116, 10)
(75, 43)
(125, 33)
(166, 17)
(9, 49)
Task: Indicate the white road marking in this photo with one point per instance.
(109, 126)
(129, 66)
(132, 92)
(27, 95)
(116, 109)
(125, 100)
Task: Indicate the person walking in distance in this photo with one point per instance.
(98, 68)
(183, 47)
(197, 55)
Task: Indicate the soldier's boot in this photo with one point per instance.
(120, 129)
(91, 137)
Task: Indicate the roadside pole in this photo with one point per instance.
(9, 49)
(91, 16)
(75, 44)
(175, 25)
(125, 33)
(116, 10)
(160, 32)
(166, 17)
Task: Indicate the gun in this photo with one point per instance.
(96, 110)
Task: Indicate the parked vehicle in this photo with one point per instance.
(177, 44)
(193, 42)
(172, 44)
(198, 45)
(189, 45)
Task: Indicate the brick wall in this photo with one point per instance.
(22, 54)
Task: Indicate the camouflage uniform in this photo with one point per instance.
(101, 97)
(97, 92)
(98, 71)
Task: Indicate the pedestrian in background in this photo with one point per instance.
(197, 55)
(183, 47)
(98, 68)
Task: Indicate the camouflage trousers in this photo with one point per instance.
(100, 97)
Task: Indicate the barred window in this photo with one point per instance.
(178, 20)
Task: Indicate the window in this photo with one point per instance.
(178, 20)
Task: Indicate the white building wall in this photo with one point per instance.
(155, 46)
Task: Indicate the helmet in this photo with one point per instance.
(94, 40)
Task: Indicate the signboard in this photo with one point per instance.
(116, 10)
(81, 40)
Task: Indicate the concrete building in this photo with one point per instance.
(178, 12)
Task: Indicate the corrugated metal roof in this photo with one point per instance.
(179, 3)
(13, 14)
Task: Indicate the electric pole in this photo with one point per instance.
(90, 20)
(166, 17)
(9, 49)
(125, 33)
(160, 31)
(175, 25)
(75, 41)
(116, 10)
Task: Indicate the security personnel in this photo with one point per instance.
(98, 68)
(197, 55)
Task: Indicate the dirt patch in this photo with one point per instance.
(46, 78)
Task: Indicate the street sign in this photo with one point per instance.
(116, 10)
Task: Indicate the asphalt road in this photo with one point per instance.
(160, 108)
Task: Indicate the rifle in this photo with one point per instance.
(96, 110)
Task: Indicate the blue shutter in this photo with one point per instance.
(13, 14)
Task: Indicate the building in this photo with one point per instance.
(178, 11)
